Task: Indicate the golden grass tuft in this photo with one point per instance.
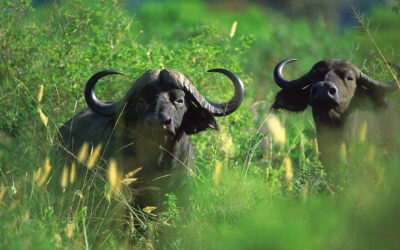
(40, 94)
(149, 209)
(94, 156)
(233, 29)
(217, 172)
(371, 153)
(227, 145)
(2, 191)
(64, 177)
(128, 181)
(14, 204)
(278, 132)
(114, 178)
(133, 173)
(83, 152)
(363, 131)
(343, 152)
(289, 173)
(41, 175)
(73, 173)
(43, 117)
(69, 230)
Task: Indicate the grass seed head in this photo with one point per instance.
(371, 153)
(133, 173)
(217, 172)
(114, 178)
(93, 156)
(343, 152)
(83, 152)
(45, 172)
(64, 177)
(233, 29)
(278, 132)
(37, 174)
(13, 205)
(2, 191)
(43, 117)
(40, 94)
(69, 230)
(289, 172)
(128, 181)
(149, 209)
(363, 131)
(73, 172)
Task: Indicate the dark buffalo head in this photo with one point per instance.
(332, 88)
(164, 102)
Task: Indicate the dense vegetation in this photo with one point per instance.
(260, 183)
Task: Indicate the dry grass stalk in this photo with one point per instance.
(360, 19)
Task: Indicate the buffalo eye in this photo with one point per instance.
(179, 101)
(141, 102)
(349, 78)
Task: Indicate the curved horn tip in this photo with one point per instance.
(216, 70)
(288, 60)
(116, 72)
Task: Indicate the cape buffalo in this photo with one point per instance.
(148, 130)
(334, 89)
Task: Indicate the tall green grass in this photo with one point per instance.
(260, 183)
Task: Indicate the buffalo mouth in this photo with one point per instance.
(324, 105)
(326, 110)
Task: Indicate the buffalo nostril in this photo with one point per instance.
(167, 121)
(332, 91)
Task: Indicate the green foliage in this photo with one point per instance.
(253, 189)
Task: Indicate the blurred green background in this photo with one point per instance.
(253, 191)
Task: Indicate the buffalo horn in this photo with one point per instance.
(102, 108)
(368, 82)
(219, 109)
(286, 84)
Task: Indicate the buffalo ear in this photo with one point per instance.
(198, 119)
(292, 99)
(370, 98)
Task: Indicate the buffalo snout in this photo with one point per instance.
(324, 92)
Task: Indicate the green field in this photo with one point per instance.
(260, 183)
